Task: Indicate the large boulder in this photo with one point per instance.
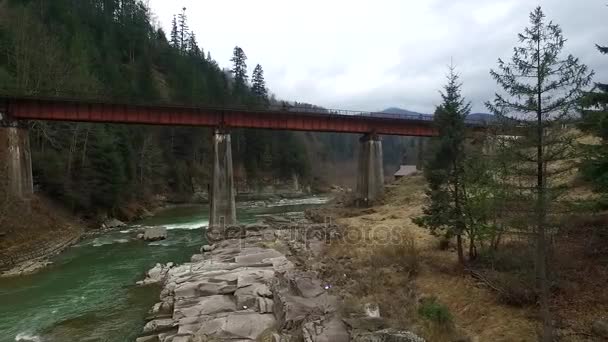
(155, 234)
(156, 274)
(113, 224)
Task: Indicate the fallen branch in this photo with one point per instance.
(480, 277)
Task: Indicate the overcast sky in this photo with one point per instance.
(370, 55)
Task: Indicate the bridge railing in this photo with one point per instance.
(284, 108)
(386, 115)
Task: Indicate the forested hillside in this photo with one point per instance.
(111, 50)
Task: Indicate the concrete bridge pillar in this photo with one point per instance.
(15, 159)
(222, 205)
(370, 173)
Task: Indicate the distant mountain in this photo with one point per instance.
(485, 117)
(395, 110)
(482, 117)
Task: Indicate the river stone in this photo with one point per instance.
(159, 325)
(247, 297)
(238, 325)
(207, 248)
(320, 331)
(291, 310)
(156, 274)
(306, 285)
(265, 305)
(372, 310)
(114, 223)
(155, 233)
(204, 306)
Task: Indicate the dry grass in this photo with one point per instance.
(580, 297)
(396, 277)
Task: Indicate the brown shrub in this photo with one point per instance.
(510, 272)
(517, 289)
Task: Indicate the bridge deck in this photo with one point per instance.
(274, 117)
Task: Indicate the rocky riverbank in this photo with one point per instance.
(255, 284)
(27, 261)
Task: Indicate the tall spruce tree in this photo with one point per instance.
(174, 34)
(595, 121)
(541, 90)
(239, 71)
(183, 31)
(445, 169)
(258, 85)
(193, 48)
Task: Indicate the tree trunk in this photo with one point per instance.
(541, 245)
(472, 247)
(460, 249)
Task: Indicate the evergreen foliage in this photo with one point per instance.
(239, 72)
(258, 86)
(445, 169)
(109, 50)
(175, 41)
(183, 31)
(541, 91)
(595, 121)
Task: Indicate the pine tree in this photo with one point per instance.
(174, 34)
(445, 170)
(541, 91)
(239, 71)
(595, 121)
(183, 35)
(193, 48)
(258, 86)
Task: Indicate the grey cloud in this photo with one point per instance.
(367, 55)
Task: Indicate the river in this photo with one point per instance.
(88, 294)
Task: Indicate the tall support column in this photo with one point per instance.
(15, 158)
(222, 205)
(370, 173)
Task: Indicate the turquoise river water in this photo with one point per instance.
(88, 294)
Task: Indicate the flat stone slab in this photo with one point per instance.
(307, 285)
(239, 325)
(257, 257)
(241, 292)
(203, 306)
